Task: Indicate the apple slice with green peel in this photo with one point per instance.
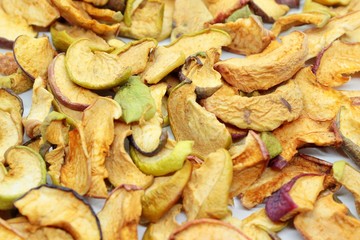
(67, 92)
(171, 158)
(26, 170)
(349, 177)
(60, 207)
(207, 229)
(89, 65)
(272, 144)
(33, 55)
(164, 193)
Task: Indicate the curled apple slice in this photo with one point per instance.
(60, 207)
(26, 170)
(89, 66)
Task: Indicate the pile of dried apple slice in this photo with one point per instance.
(158, 129)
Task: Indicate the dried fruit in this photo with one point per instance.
(269, 10)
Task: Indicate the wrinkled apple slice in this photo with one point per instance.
(8, 232)
(319, 19)
(39, 13)
(167, 58)
(135, 100)
(207, 229)
(8, 65)
(26, 170)
(67, 92)
(33, 55)
(164, 193)
(171, 158)
(294, 197)
(190, 121)
(11, 27)
(261, 113)
(313, 6)
(119, 164)
(62, 35)
(221, 9)
(19, 82)
(130, 8)
(167, 27)
(60, 207)
(243, 31)
(243, 12)
(349, 177)
(101, 14)
(329, 219)
(70, 113)
(209, 199)
(278, 63)
(336, 63)
(126, 200)
(269, 10)
(89, 66)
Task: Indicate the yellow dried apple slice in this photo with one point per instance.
(126, 200)
(351, 37)
(328, 220)
(60, 207)
(336, 63)
(190, 121)
(333, 2)
(89, 66)
(261, 113)
(205, 198)
(244, 31)
(221, 9)
(39, 13)
(269, 10)
(119, 164)
(19, 82)
(166, 29)
(207, 229)
(7, 232)
(101, 14)
(278, 63)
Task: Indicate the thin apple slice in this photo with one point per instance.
(221, 9)
(269, 10)
(7, 232)
(26, 170)
(60, 207)
(89, 66)
(9, 133)
(67, 92)
(125, 199)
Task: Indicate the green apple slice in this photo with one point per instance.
(89, 65)
(26, 170)
(171, 158)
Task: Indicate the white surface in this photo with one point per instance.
(327, 154)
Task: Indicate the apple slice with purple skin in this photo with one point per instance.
(298, 195)
(64, 90)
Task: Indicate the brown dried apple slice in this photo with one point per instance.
(261, 113)
(207, 229)
(269, 10)
(328, 220)
(66, 91)
(319, 19)
(89, 66)
(278, 63)
(209, 199)
(8, 65)
(125, 199)
(119, 164)
(335, 63)
(245, 31)
(60, 207)
(39, 13)
(290, 3)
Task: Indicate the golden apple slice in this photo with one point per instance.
(269, 10)
(7, 232)
(221, 9)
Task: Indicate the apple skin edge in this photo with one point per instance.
(5, 43)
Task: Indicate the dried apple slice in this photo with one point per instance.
(329, 219)
(169, 159)
(312, 6)
(261, 113)
(119, 164)
(269, 10)
(7, 232)
(207, 229)
(39, 13)
(221, 9)
(26, 170)
(64, 209)
(164, 193)
(62, 35)
(8, 132)
(244, 31)
(89, 66)
(166, 29)
(351, 37)
(290, 3)
(290, 199)
(126, 200)
(33, 55)
(19, 82)
(101, 14)
(190, 121)
(278, 63)
(333, 2)
(67, 92)
(205, 198)
(11, 27)
(8, 65)
(319, 19)
(336, 63)
(349, 177)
